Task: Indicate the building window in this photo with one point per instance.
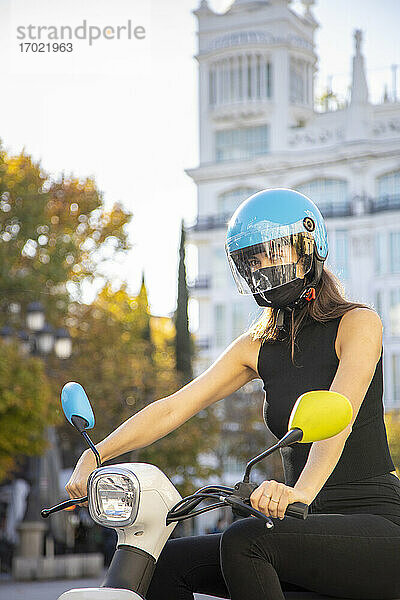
(238, 78)
(232, 76)
(394, 312)
(396, 378)
(268, 80)
(330, 195)
(249, 78)
(389, 185)
(388, 192)
(341, 253)
(241, 144)
(227, 202)
(220, 324)
(212, 90)
(219, 268)
(380, 253)
(238, 319)
(395, 252)
(379, 303)
(297, 81)
(258, 78)
(226, 87)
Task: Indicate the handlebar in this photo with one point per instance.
(299, 510)
(238, 498)
(46, 512)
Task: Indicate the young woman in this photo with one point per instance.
(308, 337)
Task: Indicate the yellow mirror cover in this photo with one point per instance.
(320, 414)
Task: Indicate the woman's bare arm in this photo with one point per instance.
(226, 375)
(359, 351)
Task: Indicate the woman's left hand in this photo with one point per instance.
(272, 498)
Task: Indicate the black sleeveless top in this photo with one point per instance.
(366, 452)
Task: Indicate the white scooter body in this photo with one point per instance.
(99, 594)
(148, 532)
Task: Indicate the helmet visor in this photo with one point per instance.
(268, 265)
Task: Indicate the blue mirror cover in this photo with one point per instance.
(75, 402)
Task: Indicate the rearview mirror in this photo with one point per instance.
(320, 414)
(316, 416)
(76, 406)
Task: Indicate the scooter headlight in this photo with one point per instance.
(114, 494)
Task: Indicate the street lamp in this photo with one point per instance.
(63, 344)
(45, 339)
(24, 341)
(40, 340)
(35, 316)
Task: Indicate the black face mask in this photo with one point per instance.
(284, 295)
(272, 274)
(280, 296)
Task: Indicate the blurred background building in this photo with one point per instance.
(261, 126)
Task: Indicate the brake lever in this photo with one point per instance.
(46, 512)
(245, 509)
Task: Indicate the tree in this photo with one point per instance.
(53, 234)
(123, 369)
(183, 344)
(330, 101)
(112, 357)
(143, 312)
(26, 406)
(54, 237)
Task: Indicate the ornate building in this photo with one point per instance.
(259, 128)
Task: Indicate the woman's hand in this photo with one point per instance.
(77, 484)
(272, 498)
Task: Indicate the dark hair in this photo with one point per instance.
(330, 303)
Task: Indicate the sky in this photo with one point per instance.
(125, 111)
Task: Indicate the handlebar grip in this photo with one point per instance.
(299, 510)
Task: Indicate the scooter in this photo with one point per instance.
(143, 506)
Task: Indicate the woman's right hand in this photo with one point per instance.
(77, 484)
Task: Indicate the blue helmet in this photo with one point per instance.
(276, 245)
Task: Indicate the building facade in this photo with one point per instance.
(259, 128)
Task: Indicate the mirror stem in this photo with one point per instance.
(92, 447)
(292, 436)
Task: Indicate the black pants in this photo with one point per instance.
(343, 555)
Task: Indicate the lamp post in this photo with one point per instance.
(39, 339)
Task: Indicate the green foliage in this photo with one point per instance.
(328, 100)
(181, 453)
(112, 358)
(52, 233)
(25, 406)
(54, 237)
(392, 422)
(125, 359)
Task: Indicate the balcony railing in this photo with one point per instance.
(203, 343)
(206, 222)
(358, 205)
(382, 203)
(332, 211)
(202, 282)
